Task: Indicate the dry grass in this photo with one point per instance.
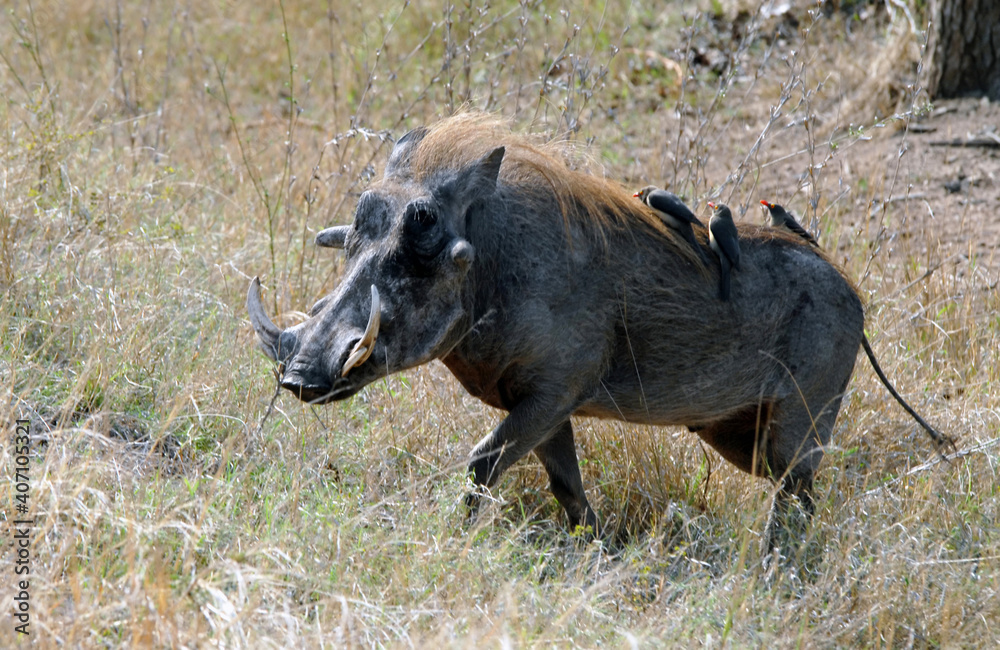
(157, 156)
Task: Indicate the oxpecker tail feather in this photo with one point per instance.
(691, 239)
(724, 279)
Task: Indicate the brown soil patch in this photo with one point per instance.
(950, 191)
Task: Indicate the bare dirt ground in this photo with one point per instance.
(929, 192)
(950, 177)
(854, 142)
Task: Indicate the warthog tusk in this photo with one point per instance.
(358, 356)
(267, 332)
(363, 348)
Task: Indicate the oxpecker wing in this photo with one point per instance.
(722, 234)
(673, 213)
(667, 204)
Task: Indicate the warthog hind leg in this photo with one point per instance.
(783, 441)
(794, 451)
(791, 512)
(740, 438)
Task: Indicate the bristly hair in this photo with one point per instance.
(770, 233)
(539, 167)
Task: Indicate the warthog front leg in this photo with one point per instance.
(526, 430)
(558, 455)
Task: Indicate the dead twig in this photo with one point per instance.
(270, 407)
(962, 453)
(908, 197)
(989, 141)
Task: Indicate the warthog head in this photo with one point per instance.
(401, 301)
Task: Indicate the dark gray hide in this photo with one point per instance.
(548, 317)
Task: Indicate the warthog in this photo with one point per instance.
(550, 292)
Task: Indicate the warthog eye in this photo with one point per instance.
(421, 215)
(424, 234)
(425, 218)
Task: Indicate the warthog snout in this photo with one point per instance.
(305, 375)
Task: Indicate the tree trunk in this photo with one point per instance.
(964, 49)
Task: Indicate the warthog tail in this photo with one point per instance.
(939, 439)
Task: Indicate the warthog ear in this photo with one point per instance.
(399, 159)
(489, 169)
(479, 179)
(333, 237)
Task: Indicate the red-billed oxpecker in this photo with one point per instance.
(672, 211)
(781, 219)
(725, 241)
